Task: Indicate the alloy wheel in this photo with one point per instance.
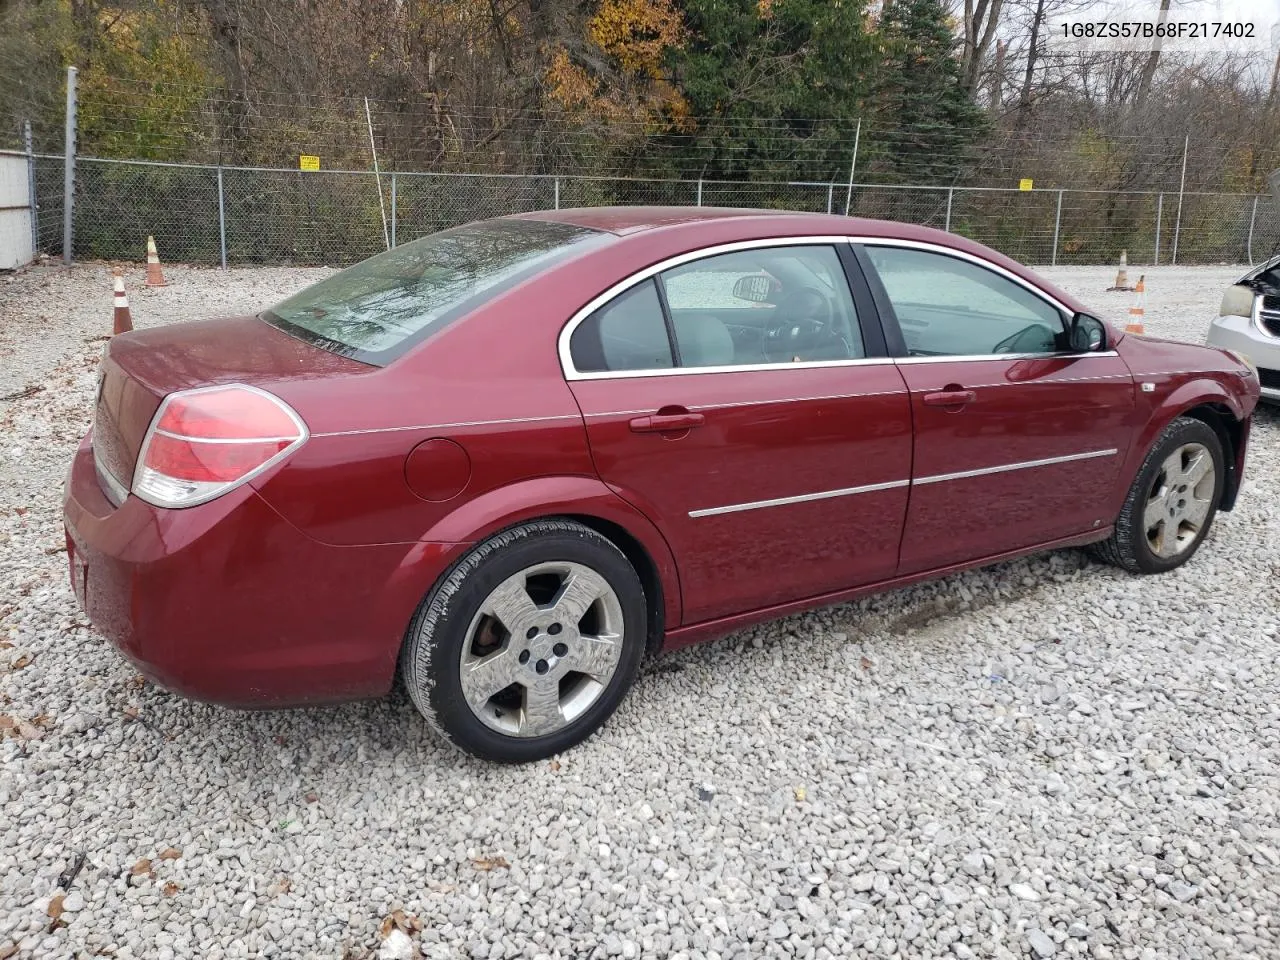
(541, 649)
(1179, 501)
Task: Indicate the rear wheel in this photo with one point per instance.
(1172, 502)
(529, 644)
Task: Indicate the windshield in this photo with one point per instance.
(378, 309)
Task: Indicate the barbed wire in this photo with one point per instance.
(184, 122)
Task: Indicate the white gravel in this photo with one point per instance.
(1048, 758)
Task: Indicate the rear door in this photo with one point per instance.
(1018, 441)
(739, 401)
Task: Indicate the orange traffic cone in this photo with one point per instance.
(155, 276)
(1139, 310)
(1122, 275)
(122, 321)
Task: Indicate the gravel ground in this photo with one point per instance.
(1045, 758)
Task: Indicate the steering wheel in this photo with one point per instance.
(804, 319)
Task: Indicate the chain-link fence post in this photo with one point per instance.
(1057, 227)
(946, 226)
(699, 191)
(1182, 189)
(557, 193)
(1155, 262)
(31, 187)
(1253, 219)
(394, 197)
(831, 189)
(69, 165)
(222, 222)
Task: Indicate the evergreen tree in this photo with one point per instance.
(924, 118)
(760, 71)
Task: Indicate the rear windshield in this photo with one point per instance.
(380, 308)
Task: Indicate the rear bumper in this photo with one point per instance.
(1240, 334)
(229, 603)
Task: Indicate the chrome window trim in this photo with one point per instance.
(893, 484)
(753, 403)
(992, 357)
(730, 368)
(928, 247)
(571, 373)
(622, 286)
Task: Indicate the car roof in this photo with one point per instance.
(624, 221)
(697, 225)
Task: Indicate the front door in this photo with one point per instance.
(1017, 441)
(745, 418)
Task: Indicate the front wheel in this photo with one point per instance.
(1172, 502)
(529, 644)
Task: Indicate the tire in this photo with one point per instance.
(1137, 546)
(506, 611)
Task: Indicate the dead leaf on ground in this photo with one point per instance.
(22, 729)
(398, 920)
(801, 794)
(283, 885)
(54, 912)
(137, 681)
(171, 889)
(170, 853)
(8, 950)
(22, 661)
(281, 740)
(5, 645)
(311, 797)
(131, 712)
(555, 766)
(865, 663)
(490, 863)
(142, 869)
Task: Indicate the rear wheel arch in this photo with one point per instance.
(645, 569)
(586, 500)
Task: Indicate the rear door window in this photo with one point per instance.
(767, 305)
(627, 333)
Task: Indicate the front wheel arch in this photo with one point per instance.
(1230, 431)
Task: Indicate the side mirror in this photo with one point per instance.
(1087, 334)
(754, 287)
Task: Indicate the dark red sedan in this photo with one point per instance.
(514, 456)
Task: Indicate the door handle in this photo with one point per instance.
(949, 398)
(664, 422)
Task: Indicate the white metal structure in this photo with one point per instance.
(15, 211)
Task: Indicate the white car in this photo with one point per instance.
(1249, 323)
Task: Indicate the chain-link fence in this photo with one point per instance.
(237, 215)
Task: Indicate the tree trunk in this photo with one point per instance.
(1033, 55)
(1153, 61)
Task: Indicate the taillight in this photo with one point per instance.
(204, 442)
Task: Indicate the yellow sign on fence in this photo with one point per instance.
(1024, 184)
(313, 163)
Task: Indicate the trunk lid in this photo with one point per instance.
(141, 368)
